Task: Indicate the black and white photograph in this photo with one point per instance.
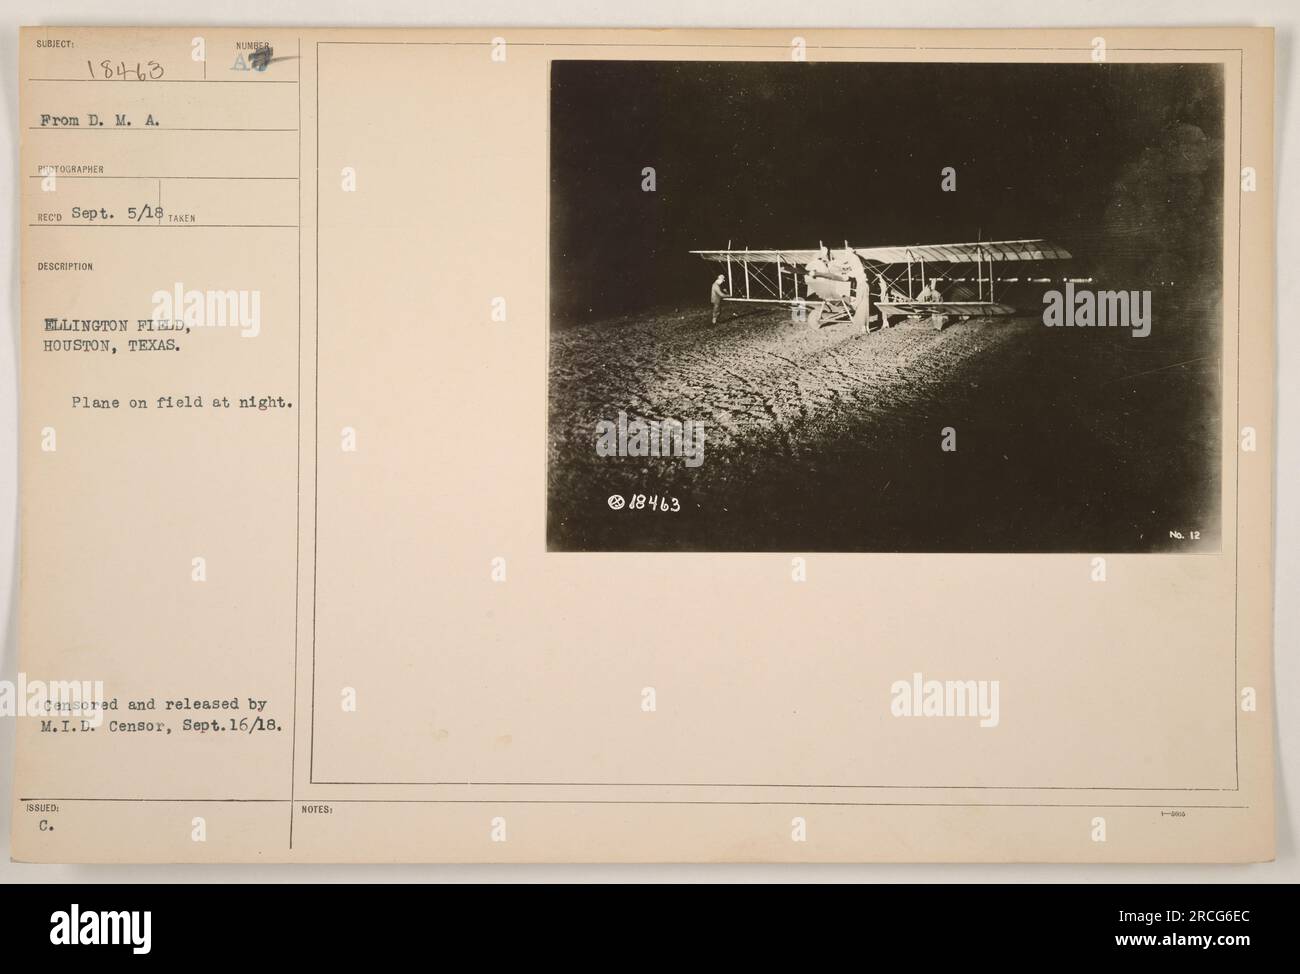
(886, 307)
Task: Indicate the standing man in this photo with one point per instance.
(716, 296)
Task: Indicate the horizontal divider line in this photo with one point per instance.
(114, 176)
(140, 128)
(174, 226)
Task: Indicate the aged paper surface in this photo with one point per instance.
(396, 488)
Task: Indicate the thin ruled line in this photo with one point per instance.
(160, 800)
(775, 47)
(175, 81)
(671, 801)
(173, 226)
(297, 509)
(1236, 432)
(108, 176)
(619, 801)
(745, 784)
(315, 477)
(144, 128)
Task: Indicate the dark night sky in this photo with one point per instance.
(1121, 164)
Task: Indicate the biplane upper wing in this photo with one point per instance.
(758, 256)
(952, 253)
(966, 253)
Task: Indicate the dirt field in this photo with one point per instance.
(1067, 440)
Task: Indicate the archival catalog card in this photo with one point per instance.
(553, 445)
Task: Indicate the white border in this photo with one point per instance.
(1284, 15)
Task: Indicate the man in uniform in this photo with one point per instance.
(716, 296)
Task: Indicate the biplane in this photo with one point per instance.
(866, 284)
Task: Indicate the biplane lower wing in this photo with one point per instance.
(941, 311)
(955, 309)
